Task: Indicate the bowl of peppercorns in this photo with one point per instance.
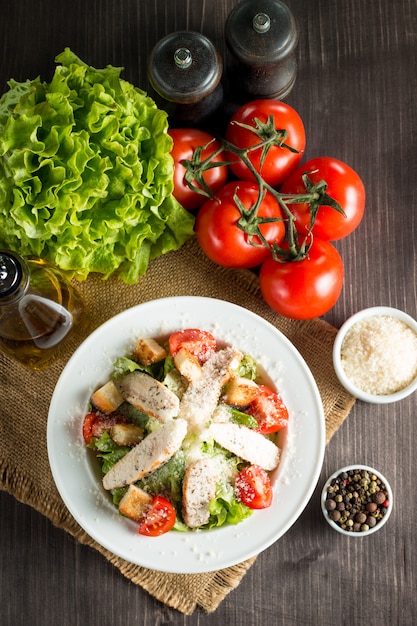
(356, 500)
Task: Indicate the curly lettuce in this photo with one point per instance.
(86, 175)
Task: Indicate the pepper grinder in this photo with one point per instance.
(261, 38)
(185, 71)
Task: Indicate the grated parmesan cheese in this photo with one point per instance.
(379, 355)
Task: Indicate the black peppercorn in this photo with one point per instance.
(379, 497)
(330, 504)
(335, 515)
(360, 518)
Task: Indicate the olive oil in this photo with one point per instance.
(39, 309)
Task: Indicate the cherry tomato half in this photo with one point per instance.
(269, 410)
(280, 159)
(253, 487)
(200, 343)
(219, 235)
(307, 288)
(96, 423)
(159, 519)
(343, 185)
(186, 140)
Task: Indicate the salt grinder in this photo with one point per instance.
(185, 71)
(261, 38)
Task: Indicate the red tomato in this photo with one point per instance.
(343, 185)
(253, 487)
(95, 424)
(307, 288)
(186, 140)
(200, 343)
(219, 235)
(269, 410)
(280, 159)
(159, 519)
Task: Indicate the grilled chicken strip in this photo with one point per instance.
(199, 488)
(201, 397)
(155, 450)
(149, 395)
(246, 444)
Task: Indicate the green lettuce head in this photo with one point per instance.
(86, 175)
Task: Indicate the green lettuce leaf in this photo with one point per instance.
(108, 451)
(86, 175)
(167, 479)
(225, 508)
(248, 367)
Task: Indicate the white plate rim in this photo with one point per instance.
(79, 485)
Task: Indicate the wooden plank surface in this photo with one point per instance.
(356, 92)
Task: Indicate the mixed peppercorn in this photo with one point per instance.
(356, 500)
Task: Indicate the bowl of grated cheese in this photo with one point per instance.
(375, 355)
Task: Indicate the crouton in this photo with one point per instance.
(148, 351)
(240, 391)
(188, 365)
(245, 443)
(149, 395)
(152, 452)
(126, 434)
(108, 398)
(199, 488)
(135, 503)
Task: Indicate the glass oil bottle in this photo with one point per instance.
(39, 309)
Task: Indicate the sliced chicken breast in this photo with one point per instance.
(199, 488)
(149, 395)
(155, 450)
(202, 395)
(246, 444)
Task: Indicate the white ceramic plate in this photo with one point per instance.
(76, 472)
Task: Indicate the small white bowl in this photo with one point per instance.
(337, 347)
(360, 533)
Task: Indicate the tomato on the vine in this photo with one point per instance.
(307, 288)
(253, 487)
(159, 519)
(186, 141)
(343, 185)
(200, 343)
(228, 233)
(282, 156)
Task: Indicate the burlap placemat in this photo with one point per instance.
(25, 397)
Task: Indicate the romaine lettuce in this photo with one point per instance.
(108, 451)
(225, 508)
(86, 175)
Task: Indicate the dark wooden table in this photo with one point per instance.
(357, 94)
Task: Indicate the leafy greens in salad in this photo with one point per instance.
(86, 175)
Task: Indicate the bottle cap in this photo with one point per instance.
(11, 273)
